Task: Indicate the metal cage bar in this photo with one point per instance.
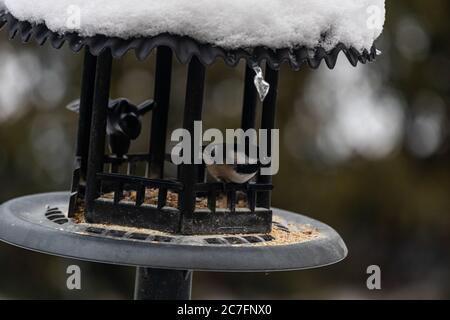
(83, 135)
(163, 78)
(192, 112)
(86, 101)
(98, 129)
(268, 122)
(249, 104)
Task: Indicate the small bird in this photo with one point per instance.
(243, 169)
(124, 122)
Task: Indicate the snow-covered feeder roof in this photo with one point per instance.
(243, 28)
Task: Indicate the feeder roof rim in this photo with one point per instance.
(184, 47)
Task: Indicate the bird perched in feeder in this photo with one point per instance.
(123, 122)
(240, 170)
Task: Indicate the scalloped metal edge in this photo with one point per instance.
(183, 47)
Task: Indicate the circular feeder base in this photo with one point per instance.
(40, 223)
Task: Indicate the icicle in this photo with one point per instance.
(261, 85)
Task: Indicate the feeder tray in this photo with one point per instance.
(40, 223)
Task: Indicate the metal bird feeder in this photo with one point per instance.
(116, 216)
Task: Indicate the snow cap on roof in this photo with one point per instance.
(228, 24)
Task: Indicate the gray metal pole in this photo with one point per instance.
(160, 284)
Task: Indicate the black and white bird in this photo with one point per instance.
(241, 170)
(124, 122)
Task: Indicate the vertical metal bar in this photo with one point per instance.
(201, 173)
(162, 198)
(163, 77)
(268, 122)
(192, 112)
(159, 284)
(249, 104)
(232, 198)
(251, 196)
(212, 198)
(131, 167)
(140, 195)
(74, 194)
(86, 101)
(118, 193)
(114, 167)
(83, 136)
(98, 129)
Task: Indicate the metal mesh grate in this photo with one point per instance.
(55, 215)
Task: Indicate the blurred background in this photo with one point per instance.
(368, 148)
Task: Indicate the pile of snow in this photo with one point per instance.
(226, 23)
